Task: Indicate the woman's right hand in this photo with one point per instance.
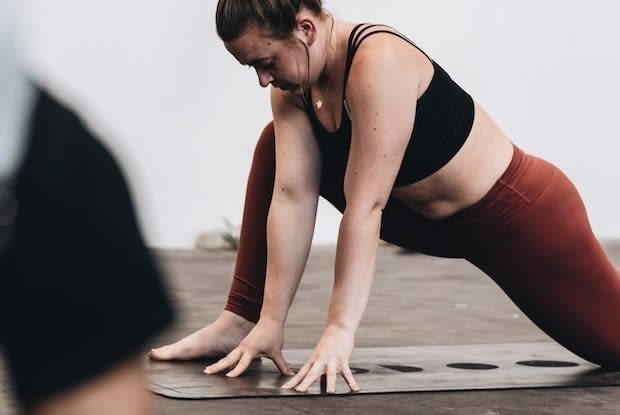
(265, 339)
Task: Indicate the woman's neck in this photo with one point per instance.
(335, 51)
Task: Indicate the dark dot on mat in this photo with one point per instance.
(546, 363)
(404, 369)
(472, 366)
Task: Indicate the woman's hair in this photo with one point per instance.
(278, 16)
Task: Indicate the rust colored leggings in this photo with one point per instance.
(530, 233)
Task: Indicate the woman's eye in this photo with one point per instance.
(266, 65)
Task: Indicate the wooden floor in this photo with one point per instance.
(416, 301)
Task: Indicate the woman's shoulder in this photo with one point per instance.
(382, 58)
(381, 41)
(378, 47)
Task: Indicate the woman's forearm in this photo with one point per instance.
(356, 256)
(290, 227)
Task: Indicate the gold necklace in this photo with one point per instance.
(319, 102)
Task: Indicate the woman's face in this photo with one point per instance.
(279, 62)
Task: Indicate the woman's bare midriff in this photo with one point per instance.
(467, 177)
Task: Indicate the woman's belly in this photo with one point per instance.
(467, 177)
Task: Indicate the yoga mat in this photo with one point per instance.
(396, 369)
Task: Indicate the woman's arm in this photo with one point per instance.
(292, 215)
(382, 99)
(290, 227)
(381, 93)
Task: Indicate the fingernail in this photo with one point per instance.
(207, 371)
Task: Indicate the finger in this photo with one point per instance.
(224, 363)
(331, 378)
(314, 373)
(348, 377)
(279, 361)
(242, 365)
(298, 377)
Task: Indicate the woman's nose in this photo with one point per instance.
(264, 78)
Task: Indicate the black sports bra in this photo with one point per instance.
(443, 119)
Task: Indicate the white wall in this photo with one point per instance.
(153, 78)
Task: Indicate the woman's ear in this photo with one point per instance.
(306, 31)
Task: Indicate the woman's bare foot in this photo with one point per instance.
(215, 340)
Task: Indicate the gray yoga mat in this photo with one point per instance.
(397, 369)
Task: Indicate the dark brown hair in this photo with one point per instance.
(278, 16)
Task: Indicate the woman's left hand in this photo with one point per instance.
(330, 357)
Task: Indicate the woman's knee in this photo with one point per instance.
(266, 145)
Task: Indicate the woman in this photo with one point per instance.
(367, 120)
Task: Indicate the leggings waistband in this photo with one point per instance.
(522, 182)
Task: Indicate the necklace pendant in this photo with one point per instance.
(319, 104)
